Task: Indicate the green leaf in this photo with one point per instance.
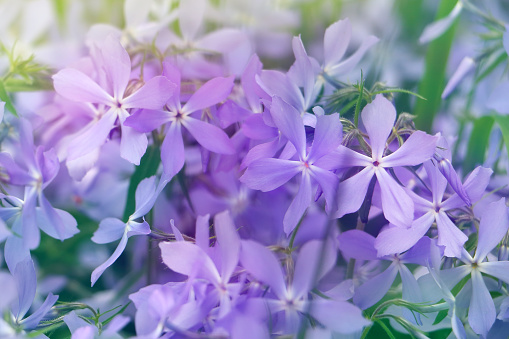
(459, 286)
(5, 98)
(440, 316)
(503, 122)
(433, 81)
(22, 85)
(147, 168)
(385, 328)
(398, 90)
(478, 143)
(359, 101)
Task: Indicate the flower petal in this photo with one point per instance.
(328, 136)
(492, 228)
(481, 313)
(8, 289)
(299, 204)
(439, 27)
(133, 144)
(229, 243)
(357, 244)
(418, 148)
(475, 186)
(348, 64)
(397, 206)
(172, 150)
(289, 122)
(190, 17)
(328, 182)
(76, 86)
(263, 265)
(188, 259)
(147, 120)
(209, 136)
(378, 118)
(251, 88)
(96, 274)
(335, 41)
(466, 65)
(254, 127)
(117, 65)
(395, 240)
(212, 92)
(268, 174)
(375, 288)
(261, 151)
(93, 136)
(352, 191)
(450, 236)
(110, 229)
(33, 320)
(275, 83)
(339, 316)
(26, 282)
(498, 269)
(153, 95)
(316, 258)
(343, 157)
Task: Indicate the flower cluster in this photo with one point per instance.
(265, 203)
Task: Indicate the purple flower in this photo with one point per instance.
(378, 118)
(113, 99)
(37, 168)
(268, 174)
(177, 116)
(395, 239)
(492, 228)
(360, 245)
(292, 299)
(335, 43)
(26, 282)
(111, 229)
(198, 262)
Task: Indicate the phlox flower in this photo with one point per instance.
(25, 283)
(292, 298)
(492, 228)
(269, 173)
(111, 229)
(177, 116)
(110, 93)
(360, 245)
(214, 265)
(34, 170)
(395, 239)
(378, 118)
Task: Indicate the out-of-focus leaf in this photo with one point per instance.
(7, 99)
(23, 85)
(478, 143)
(503, 122)
(440, 316)
(147, 168)
(433, 81)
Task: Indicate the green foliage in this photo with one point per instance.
(147, 168)
(433, 81)
(503, 122)
(478, 143)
